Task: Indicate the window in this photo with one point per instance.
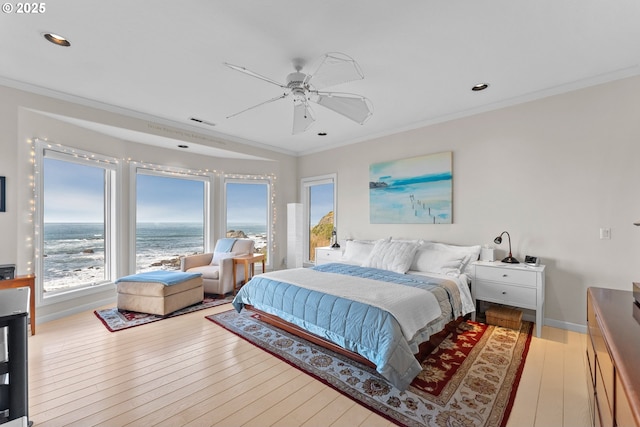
(75, 220)
(248, 207)
(319, 200)
(171, 212)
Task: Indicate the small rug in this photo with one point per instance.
(470, 379)
(115, 320)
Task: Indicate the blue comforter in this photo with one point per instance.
(369, 331)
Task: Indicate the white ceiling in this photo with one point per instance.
(164, 60)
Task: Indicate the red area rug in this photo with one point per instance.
(115, 320)
(470, 379)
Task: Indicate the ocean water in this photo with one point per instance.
(411, 203)
(74, 252)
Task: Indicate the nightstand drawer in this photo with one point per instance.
(506, 293)
(325, 255)
(506, 275)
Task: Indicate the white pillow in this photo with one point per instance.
(450, 253)
(471, 254)
(219, 256)
(357, 251)
(433, 258)
(394, 256)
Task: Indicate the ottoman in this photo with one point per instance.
(159, 292)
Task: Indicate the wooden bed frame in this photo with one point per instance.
(424, 349)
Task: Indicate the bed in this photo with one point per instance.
(379, 304)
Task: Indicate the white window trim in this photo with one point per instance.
(305, 183)
(250, 179)
(171, 172)
(112, 206)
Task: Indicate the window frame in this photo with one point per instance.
(251, 179)
(305, 184)
(112, 181)
(170, 172)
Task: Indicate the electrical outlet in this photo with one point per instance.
(605, 234)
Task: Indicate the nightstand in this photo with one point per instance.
(517, 285)
(327, 254)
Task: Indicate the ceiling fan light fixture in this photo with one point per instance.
(56, 39)
(334, 68)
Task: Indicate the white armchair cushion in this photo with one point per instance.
(211, 272)
(217, 256)
(243, 247)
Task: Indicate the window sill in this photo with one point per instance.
(72, 294)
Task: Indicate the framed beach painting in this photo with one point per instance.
(417, 190)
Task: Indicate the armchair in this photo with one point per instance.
(217, 268)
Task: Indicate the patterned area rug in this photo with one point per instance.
(470, 379)
(115, 320)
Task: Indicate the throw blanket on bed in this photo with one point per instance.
(161, 276)
(412, 307)
(421, 282)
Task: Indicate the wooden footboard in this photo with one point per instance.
(424, 349)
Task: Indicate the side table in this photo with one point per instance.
(249, 262)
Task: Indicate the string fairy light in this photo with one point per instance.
(271, 178)
(99, 159)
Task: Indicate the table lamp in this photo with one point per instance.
(510, 259)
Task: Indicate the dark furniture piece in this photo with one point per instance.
(19, 282)
(613, 348)
(13, 316)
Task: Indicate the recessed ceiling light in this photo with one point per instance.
(56, 39)
(322, 134)
(480, 86)
(183, 146)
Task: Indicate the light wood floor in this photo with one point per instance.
(189, 371)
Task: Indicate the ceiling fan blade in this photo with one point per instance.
(355, 107)
(335, 68)
(253, 74)
(302, 117)
(258, 105)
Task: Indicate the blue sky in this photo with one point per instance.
(246, 203)
(84, 204)
(321, 202)
(75, 193)
(168, 199)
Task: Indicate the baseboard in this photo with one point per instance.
(575, 327)
(74, 310)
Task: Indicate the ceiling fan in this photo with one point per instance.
(334, 68)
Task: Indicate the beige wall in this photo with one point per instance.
(552, 172)
(22, 117)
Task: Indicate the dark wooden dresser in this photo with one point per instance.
(613, 357)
